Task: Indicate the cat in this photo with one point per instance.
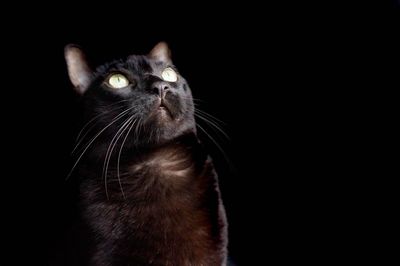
(148, 190)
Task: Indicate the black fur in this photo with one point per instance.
(159, 202)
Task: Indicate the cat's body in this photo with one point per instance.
(151, 197)
(172, 215)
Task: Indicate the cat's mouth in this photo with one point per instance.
(163, 109)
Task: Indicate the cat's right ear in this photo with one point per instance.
(161, 52)
(79, 71)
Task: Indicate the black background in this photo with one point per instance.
(276, 74)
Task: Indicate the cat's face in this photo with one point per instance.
(144, 93)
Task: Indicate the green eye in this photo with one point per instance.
(169, 75)
(118, 81)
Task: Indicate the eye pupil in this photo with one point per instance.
(118, 81)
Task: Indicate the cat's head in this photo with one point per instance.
(143, 96)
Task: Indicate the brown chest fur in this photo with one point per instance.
(171, 214)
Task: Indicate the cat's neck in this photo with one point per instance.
(148, 171)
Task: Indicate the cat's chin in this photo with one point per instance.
(164, 125)
(164, 129)
(163, 114)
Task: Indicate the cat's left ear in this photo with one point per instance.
(79, 71)
(161, 52)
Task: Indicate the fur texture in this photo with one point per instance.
(148, 190)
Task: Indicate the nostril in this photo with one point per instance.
(160, 89)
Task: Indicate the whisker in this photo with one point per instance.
(110, 150)
(191, 98)
(79, 140)
(119, 116)
(213, 125)
(97, 116)
(123, 113)
(124, 124)
(119, 157)
(137, 129)
(131, 108)
(204, 113)
(231, 166)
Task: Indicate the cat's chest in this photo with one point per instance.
(168, 165)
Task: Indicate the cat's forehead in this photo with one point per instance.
(144, 63)
(135, 64)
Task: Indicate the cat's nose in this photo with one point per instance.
(160, 88)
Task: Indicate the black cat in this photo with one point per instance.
(148, 190)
